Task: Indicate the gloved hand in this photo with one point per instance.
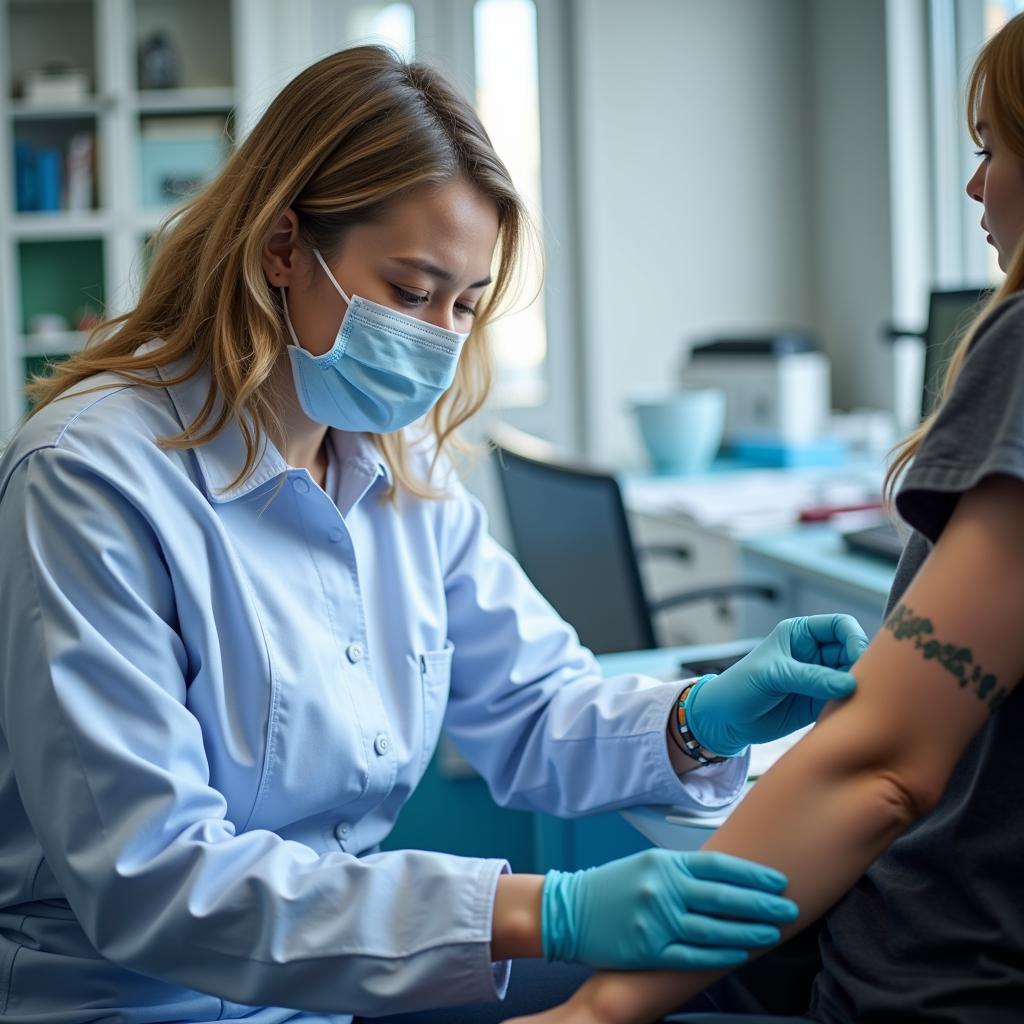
(660, 909)
(780, 686)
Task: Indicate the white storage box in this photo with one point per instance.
(48, 88)
(777, 389)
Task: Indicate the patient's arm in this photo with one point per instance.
(948, 655)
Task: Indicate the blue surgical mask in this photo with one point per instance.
(385, 369)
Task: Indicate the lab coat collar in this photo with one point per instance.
(347, 446)
(221, 459)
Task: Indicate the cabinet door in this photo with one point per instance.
(712, 559)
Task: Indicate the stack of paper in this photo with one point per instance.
(752, 501)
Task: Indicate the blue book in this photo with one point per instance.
(49, 175)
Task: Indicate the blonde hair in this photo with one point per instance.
(997, 81)
(344, 138)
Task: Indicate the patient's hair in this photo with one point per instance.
(997, 82)
(348, 135)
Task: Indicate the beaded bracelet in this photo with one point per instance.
(689, 744)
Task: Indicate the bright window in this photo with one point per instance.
(392, 24)
(998, 13)
(505, 38)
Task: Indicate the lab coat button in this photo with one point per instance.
(342, 831)
(354, 652)
(381, 744)
(335, 536)
(301, 485)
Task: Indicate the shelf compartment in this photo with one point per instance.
(56, 165)
(62, 277)
(197, 34)
(41, 34)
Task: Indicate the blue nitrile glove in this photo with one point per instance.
(780, 686)
(663, 909)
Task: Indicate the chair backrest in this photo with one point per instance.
(949, 314)
(572, 538)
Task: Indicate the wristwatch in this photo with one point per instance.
(686, 741)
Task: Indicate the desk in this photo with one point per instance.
(814, 572)
(756, 541)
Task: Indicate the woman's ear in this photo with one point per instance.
(279, 249)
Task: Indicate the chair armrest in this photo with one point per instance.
(759, 590)
(892, 332)
(664, 551)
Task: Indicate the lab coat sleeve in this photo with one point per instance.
(111, 769)
(528, 706)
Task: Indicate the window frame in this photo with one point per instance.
(956, 32)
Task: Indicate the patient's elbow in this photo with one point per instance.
(905, 796)
(895, 771)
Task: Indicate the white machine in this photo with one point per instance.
(777, 389)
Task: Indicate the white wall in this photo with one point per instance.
(852, 230)
(733, 166)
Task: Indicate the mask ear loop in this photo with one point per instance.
(334, 280)
(284, 297)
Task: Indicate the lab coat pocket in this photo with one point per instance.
(435, 680)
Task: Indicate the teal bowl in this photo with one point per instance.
(682, 430)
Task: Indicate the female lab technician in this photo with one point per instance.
(237, 601)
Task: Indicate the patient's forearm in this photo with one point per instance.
(820, 817)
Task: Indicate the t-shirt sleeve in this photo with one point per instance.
(979, 431)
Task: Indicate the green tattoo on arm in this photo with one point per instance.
(958, 661)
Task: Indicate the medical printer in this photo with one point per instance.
(777, 394)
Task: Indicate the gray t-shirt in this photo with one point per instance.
(935, 930)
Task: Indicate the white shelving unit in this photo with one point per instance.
(96, 253)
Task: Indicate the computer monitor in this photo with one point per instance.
(949, 314)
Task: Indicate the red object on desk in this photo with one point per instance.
(822, 513)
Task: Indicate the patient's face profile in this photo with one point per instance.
(998, 184)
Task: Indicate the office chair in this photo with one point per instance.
(572, 537)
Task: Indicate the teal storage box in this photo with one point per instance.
(176, 157)
(759, 451)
